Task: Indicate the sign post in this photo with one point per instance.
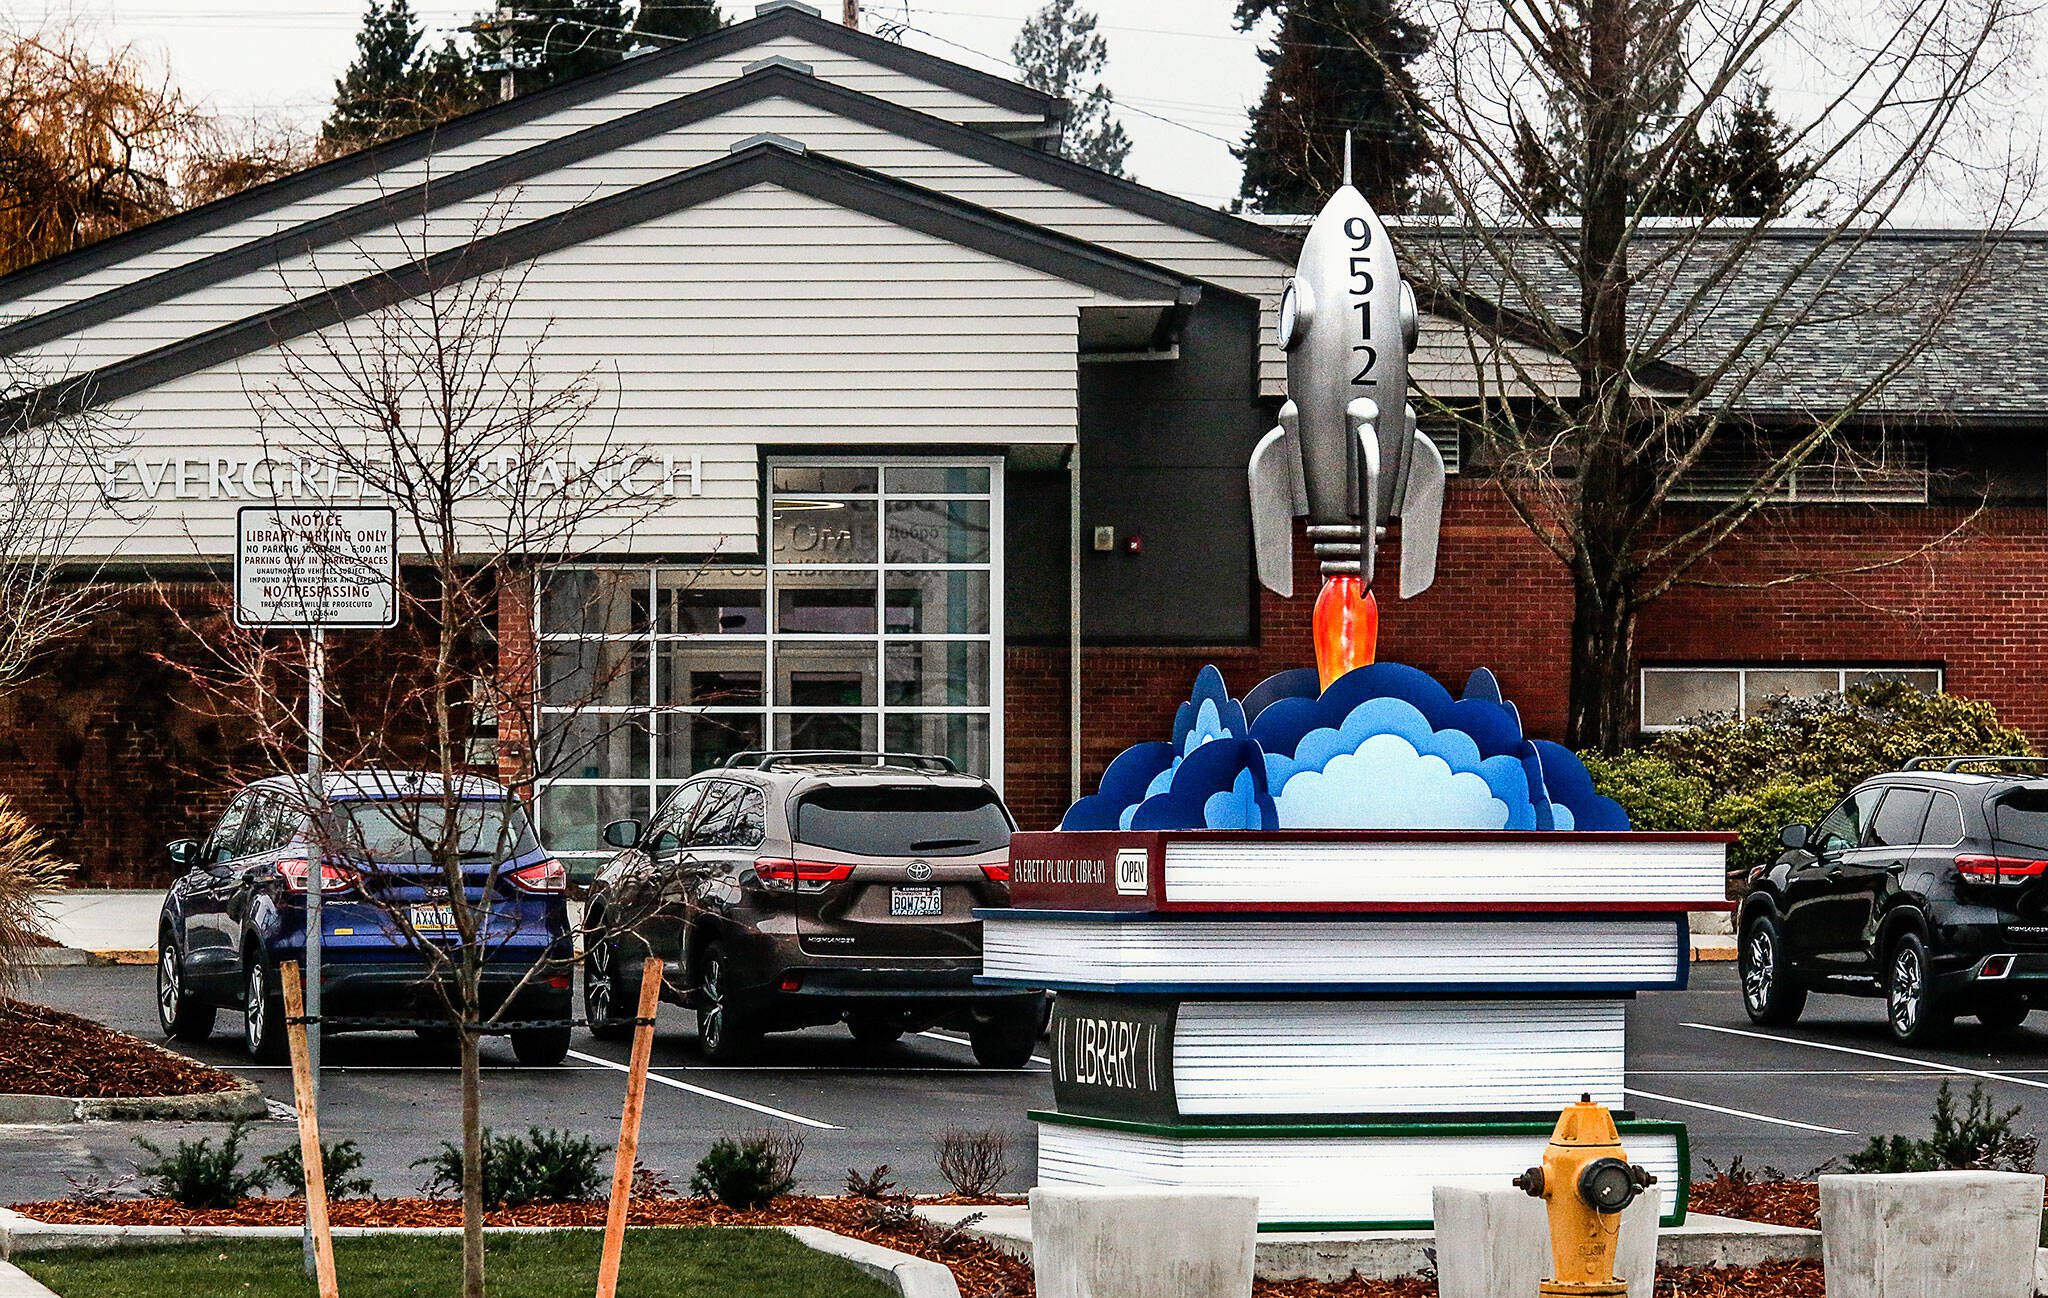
(311, 569)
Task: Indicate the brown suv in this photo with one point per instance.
(793, 889)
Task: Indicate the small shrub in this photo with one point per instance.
(539, 1167)
(27, 867)
(974, 1163)
(870, 1185)
(198, 1174)
(91, 1189)
(651, 1182)
(749, 1171)
(337, 1163)
(1977, 1139)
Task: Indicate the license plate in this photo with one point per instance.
(913, 901)
(433, 919)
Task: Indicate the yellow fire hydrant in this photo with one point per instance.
(1585, 1181)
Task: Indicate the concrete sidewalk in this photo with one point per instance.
(102, 921)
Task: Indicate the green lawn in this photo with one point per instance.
(663, 1263)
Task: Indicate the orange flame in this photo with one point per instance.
(1346, 627)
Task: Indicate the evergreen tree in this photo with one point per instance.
(1336, 65)
(1742, 166)
(677, 19)
(396, 85)
(1060, 52)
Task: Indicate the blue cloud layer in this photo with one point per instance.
(1385, 747)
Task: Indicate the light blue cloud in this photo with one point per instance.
(1387, 784)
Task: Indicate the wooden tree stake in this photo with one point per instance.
(309, 1130)
(629, 1128)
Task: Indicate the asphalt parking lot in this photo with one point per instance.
(1792, 1098)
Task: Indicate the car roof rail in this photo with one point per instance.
(769, 759)
(1950, 765)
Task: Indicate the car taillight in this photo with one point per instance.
(540, 877)
(1995, 868)
(997, 873)
(333, 878)
(809, 876)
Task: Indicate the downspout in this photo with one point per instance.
(1074, 623)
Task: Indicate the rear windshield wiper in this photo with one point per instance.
(925, 844)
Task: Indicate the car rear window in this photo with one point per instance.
(2021, 818)
(407, 830)
(882, 821)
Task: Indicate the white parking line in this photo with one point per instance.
(708, 1094)
(1927, 1064)
(1736, 1113)
(963, 1041)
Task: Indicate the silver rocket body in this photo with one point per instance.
(1347, 454)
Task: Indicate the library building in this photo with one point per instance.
(945, 443)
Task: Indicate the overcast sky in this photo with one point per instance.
(1184, 73)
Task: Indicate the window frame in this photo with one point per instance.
(1742, 672)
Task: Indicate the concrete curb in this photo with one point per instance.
(912, 1277)
(244, 1101)
(1389, 1254)
(54, 957)
(16, 1283)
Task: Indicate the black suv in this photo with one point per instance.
(1928, 886)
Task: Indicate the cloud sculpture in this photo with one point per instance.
(1385, 747)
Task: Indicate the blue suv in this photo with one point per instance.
(239, 911)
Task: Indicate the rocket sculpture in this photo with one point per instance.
(1346, 453)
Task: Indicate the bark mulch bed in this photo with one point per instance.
(982, 1270)
(47, 1052)
(1780, 1201)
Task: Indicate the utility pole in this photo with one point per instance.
(507, 78)
(851, 14)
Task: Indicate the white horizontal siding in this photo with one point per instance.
(1556, 869)
(676, 151)
(850, 71)
(900, 351)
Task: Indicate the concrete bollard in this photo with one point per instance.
(1495, 1243)
(1142, 1242)
(1930, 1234)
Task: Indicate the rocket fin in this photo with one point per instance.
(1422, 516)
(1363, 414)
(1278, 497)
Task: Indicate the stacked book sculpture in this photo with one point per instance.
(1339, 1020)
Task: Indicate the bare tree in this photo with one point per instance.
(1674, 334)
(447, 406)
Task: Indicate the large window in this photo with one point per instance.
(875, 623)
(1672, 697)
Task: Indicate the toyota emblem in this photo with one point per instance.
(920, 870)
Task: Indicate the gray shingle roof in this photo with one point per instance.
(1837, 313)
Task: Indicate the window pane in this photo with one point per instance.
(693, 742)
(882, 821)
(693, 601)
(593, 601)
(1670, 697)
(594, 745)
(823, 531)
(937, 603)
(825, 674)
(1944, 822)
(1898, 819)
(593, 673)
(938, 479)
(1926, 680)
(703, 674)
(839, 603)
(937, 531)
(825, 730)
(964, 738)
(837, 479)
(1800, 683)
(573, 816)
(936, 673)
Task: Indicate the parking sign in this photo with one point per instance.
(304, 568)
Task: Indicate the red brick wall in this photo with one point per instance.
(1976, 604)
